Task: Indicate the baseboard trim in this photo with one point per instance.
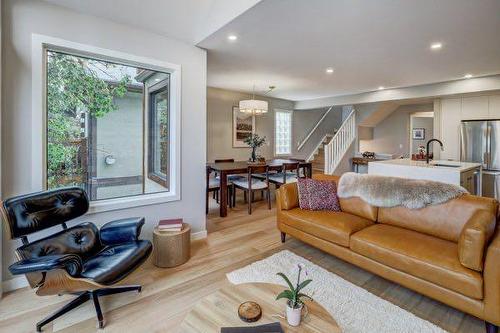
(21, 282)
(15, 283)
(199, 235)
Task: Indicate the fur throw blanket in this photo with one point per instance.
(383, 191)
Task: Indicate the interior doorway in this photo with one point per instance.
(421, 131)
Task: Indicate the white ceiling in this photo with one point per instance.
(188, 20)
(290, 43)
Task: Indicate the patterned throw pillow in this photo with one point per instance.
(318, 195)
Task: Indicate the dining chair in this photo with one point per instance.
(289, 173)
(229, 177)
(303, 168)
(250, 184)
(213, 185)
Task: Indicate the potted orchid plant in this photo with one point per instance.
(295, 297)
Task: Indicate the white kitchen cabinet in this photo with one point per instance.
(450, 128)
(494, 107)
(475, 108)
(468, 180)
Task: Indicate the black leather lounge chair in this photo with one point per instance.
(79, 260)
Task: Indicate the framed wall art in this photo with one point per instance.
(243, 127)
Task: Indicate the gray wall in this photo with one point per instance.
(119, 133)
(426, 123)
(23, 18)
(305, 120)
(391, 135)
(220, 104)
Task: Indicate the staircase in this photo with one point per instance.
(335, 150)
(318, 157)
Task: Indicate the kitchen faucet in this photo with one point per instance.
(428, 144)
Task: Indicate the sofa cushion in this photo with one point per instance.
(82, 239)
(445, 220)
(336, 227)
(354, 205)
(288, 196)
(115, 262)
(317, 194)
(427, 257)
(474, 239)
(358, 207)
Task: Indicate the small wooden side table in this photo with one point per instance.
(171, 249)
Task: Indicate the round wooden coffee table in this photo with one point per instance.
(220, 309)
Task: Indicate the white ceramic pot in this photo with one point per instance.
(293, 316)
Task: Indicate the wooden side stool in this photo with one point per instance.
(171, 249)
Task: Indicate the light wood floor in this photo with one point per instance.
(168, 294)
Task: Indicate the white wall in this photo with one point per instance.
(479, 84)
(20, 20)
(1, 115)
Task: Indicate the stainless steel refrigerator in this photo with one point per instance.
(480, 143)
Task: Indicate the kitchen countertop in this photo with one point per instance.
(457, 166)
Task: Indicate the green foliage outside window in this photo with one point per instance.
(75, 89)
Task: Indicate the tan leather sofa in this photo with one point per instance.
(449, 252)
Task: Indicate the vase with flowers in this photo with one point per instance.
(295, 298)
(254, 141)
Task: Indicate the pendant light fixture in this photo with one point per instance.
(254, 106)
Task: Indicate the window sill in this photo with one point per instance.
(131, 202)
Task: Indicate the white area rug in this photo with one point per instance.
(355, 309)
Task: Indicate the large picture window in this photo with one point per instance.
(108, 128)
(283, 132)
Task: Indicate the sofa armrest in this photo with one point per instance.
(121, 231)
(288, 196)
(72, 263)
(491, 276)
(474, 239)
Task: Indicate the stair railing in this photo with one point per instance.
(303, 142)
(340, 143)
(320, 143)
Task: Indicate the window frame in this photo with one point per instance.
(276, 111)
(40, 44)
(151, 149)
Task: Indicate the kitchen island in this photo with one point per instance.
(468, 175)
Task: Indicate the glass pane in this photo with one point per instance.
(95, 125)
(283, 133)
(158, 170)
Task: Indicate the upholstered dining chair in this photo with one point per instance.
(289, 173)
(213, 185)
(250, 184)
(230, 178)
(80, 260)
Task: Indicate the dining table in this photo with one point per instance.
(241, 167)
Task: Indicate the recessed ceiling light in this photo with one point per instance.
(329, 70)
(381, 88)
(232, 37)
(467, 76)
(436, 46)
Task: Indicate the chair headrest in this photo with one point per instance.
(33, 212)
